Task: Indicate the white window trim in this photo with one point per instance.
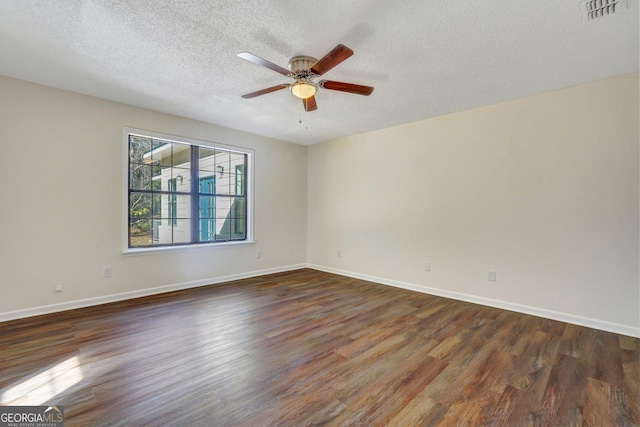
(249, 180)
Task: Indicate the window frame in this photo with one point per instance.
(249, 196)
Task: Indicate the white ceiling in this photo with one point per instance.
(424, 58)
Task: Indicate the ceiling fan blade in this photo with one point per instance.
(331, 59)
(264, 91)
(346, 87)
(310, 104)
(270, 65)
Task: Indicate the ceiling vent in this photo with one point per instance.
(596, 9)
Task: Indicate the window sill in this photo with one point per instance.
(183, 248)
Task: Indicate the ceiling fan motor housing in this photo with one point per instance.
(301, 63)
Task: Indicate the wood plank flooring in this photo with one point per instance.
(307, 348)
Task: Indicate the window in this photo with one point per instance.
(172, 202)
(185, 192)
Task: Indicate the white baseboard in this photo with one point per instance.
(548, 314)
(71, 305)
(539, 312)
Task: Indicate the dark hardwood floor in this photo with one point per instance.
(311, 348)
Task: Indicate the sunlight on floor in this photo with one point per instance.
(46, 385)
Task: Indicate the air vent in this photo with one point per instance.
(596, 9)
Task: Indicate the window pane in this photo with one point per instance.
(207, 229)
(175, 226)
(182, 232)
(139, 144)
(207, 212)
(236, 159)
(172, 202)
(222, 159)
(207, 207)
(168, 233)
(207, 161)
(238, 207)
(140, 232)
(207, 184)
(222, 171)
(143, 176)
(223, 206)
(140, 177)
(175, 207)
(180, 155)
(239, 180)
(157, 149)
(173, 179)
(144, 163)
(224, 231)
(223, 183)
(144, 205)
(173, 233)
(205, 152)
(238, 220)
(168, 155)
(230, 218)
(238, 229)
(182, 175)
(139, 147)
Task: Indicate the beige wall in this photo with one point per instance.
(61, 203)
(543, 189)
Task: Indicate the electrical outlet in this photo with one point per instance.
(339, 254)
(258, 254)
(58, 286)
(427, 267)
(106, 272)
(492, 275)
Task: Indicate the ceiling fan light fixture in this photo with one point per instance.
(303, 90)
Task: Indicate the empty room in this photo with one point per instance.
(286, 213)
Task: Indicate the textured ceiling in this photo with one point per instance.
(424, 58)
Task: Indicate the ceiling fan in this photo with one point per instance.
(304, 69)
